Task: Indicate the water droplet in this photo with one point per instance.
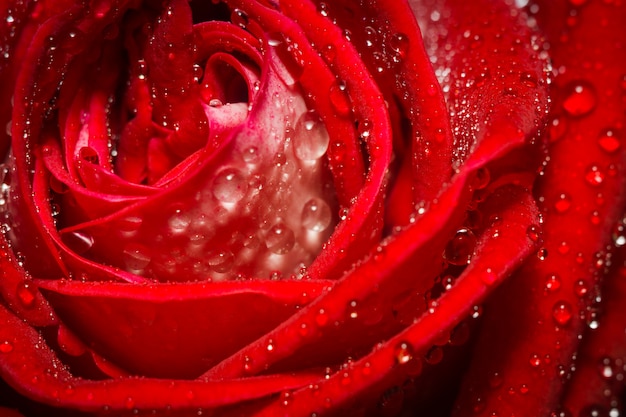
(352, 308)
(311, 138)
(321, 319)
(399, 44)
(460, 249)
(535, 360)
(339, 98)
(528, 79)
(619, 235)
(220, 261)
(280, 239)
(136, 256)
(576, 3)
(230, 186)
(594, 176)
(179, 221)
(562, 203)
(403, 353)
(609, 141)
(434, 355)
(364, 129)
(542, 254)
(557, 128)
(533, 232)
(580, 99)
(78, 241)
(26, 294)
(239, 18)
(606, 368)
(6, 347)
(89, 154)
(562, 313)
(553, 283)
(316, 215)
(250, 155)
(581, 288)
(130, 225)
(496, 380)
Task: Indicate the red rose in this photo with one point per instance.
(246, 208)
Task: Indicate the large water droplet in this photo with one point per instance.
(316, 215)
(310, 137)
(230, 186)
(280, 239)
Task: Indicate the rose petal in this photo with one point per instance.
(550, 300)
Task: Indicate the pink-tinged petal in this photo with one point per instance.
(552, 300)
(498, 253)
(363, 222)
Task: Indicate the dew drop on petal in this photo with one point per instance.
(403, 353)
(250, 155)
(434, 355)
(230, 186)
(280, 239)
(563, 203)
(609, 141)
(339, 98)
(553, 283)
(6, 347)
(79, 242)
(26, 295)
(528, 79)
(460, 249)
(179, 221)
(316, 215)
(535, 360)
(310, 138)
(399, 44)
(136, 256)
(239, 18)
(557, 128)
(129, 226)
(533, 232)
(220, 261)
(562, 313)
(580, 99)
(594, 176)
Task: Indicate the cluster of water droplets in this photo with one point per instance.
(265, 213)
